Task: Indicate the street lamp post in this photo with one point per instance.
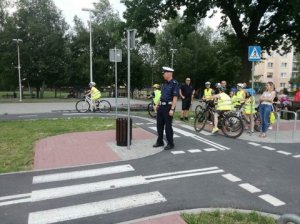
(173, 52)
(19, 66)
(91, 47)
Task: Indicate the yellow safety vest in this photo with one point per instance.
(247, 105)
(224, 102)
(207, 93)
(234, 100)
(95, 93)
(157, 95)
(240, 97)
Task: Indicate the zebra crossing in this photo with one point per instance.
(66, 185)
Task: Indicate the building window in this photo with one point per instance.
(283, 65)
(294, 74)
(270, 65)
(283, 75)
(270, 75)
(282, 85)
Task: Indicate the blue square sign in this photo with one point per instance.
(254, 53)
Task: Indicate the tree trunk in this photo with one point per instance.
(37, 92)
(246, 66)
(42, 89)
(55, 92)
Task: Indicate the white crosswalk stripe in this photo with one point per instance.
(95, 208)
(174, 135)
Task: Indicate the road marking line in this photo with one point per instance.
(216, 145)
(296, 156)
(177, 152)
(284, 153)
(187, 127)
(60, 192)
(15, 196)
(181, 172)
(184, 175)
(139, 123)
(174, 135)
(194, 150)
(182, 132)
(205, 133)
(253, 143)
(210, 150)
(81, 174)
(231, 177)
(272, 200)
(150, 123)
(95, 208)
(25, 116)
(250, 188)
(268, 148)
(15, 202)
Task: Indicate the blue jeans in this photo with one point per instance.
(264, 111)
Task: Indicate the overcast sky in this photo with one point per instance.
(70, 8)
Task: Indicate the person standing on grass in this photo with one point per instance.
(265, 108)
(186, 93)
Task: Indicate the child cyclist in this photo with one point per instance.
(94, 93)
(155, 95)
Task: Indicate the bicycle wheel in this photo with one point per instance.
(257, 122)
(198, 109)
(82, 106)
(104, 106)
(232, 126)
(151, 111)
(200, 121)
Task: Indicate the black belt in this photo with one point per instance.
(165, 103)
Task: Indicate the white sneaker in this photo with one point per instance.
(270, 128)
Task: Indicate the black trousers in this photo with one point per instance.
(164, 121)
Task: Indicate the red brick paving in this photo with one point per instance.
(82, 148)
(168, 219)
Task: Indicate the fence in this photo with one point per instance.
(279, 120)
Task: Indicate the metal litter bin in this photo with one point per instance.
(121, 131)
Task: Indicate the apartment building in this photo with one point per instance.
(278, 69)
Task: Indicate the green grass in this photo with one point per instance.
(17, 138)
(234, 217)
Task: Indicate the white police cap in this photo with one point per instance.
(167, 69)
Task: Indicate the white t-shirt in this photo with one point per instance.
(269, 95)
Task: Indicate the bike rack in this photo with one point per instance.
(289, 218)
(278, 121)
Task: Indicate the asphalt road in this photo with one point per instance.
(203, 171)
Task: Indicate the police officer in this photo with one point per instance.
(166, 109)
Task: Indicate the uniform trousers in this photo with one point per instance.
(164, 121)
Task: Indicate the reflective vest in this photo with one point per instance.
(157, 94)
(240, 96)
(248, 109)
(224, 102)
(95, 93)
(234, 100)
(208, 93)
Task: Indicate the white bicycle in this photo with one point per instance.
(85, 104)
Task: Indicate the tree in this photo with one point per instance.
(270, 23)
(42, 29)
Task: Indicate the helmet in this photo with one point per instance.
(240, 85)
(233, 90)
(92, 83)
(221, 88)
(156, 86)
(207, 83)
(217, 84)
(250, 91)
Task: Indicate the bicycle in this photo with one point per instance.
(230, 124)
(256, 116)
(200, 107)
(150, 109)
(84, 105)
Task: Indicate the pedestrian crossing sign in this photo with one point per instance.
(254, 53)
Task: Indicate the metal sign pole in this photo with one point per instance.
(252, 98)
(116, 83)
(19, 71)
(128, 90)
(91, 49)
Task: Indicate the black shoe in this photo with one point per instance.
(186, 118)
(181, 118)
(158, 145)
(168, 147)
